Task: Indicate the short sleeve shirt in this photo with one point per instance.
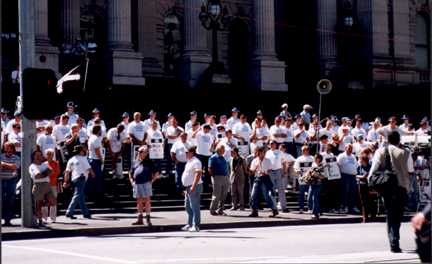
(192, 166)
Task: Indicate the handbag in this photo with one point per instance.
(384, 179)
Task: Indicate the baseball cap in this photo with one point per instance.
(235, 109)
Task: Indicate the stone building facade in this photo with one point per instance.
(270, 45)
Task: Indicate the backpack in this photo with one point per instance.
(385, 178)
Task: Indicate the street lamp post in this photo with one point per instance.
(214, 17)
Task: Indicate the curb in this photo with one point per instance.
(102, 231)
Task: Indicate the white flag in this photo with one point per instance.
(66, 78)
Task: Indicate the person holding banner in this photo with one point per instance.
(302, 166)
(333, 179)
(155, 142)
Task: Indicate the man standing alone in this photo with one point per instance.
(394, 196)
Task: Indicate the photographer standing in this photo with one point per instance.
(395, 195)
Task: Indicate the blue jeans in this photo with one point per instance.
(78, 198)
(95, 185)
(304, 188)
(262, 184)
(315, 196)
(179, 172)
(278, 183)
(349, 190)
(8, 198)
(193, 205)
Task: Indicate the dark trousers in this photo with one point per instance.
(94, 186)
(394, 201)
(349, 190)
(334, 194)
(205, 176)
(180, 166)
(8, 198)
(264, 185)
(369, 208)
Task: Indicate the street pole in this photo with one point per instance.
(27, 54)
(1, 128)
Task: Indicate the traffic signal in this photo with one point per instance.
(40, 99)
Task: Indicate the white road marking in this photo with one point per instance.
(66, 253)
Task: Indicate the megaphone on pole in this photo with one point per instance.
(324, 86)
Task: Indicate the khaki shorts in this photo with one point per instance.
(41, 189)
(54, 191)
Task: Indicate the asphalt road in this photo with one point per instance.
(294, 244)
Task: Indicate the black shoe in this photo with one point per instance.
(396, 250)
(274, 213)
(213, 213)
(286, 210)
(71, 217)
(7, 224)
(253, 214)
(149, 223)
(88, 216)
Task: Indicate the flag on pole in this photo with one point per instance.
(66, 78)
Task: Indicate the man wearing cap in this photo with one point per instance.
(47, 140)
(148, 122)
(125, 121)
(275, 172)
(242, 132)
(116, 137)
(424, 129)
(70, 106)
(193, 119)
(233, 120)
(406, 122)
(305, 114)
(284, 113)
(136, 130)
(77, 171)
(96, 116)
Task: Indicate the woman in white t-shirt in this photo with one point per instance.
(39, 173)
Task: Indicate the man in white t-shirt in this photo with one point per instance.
(61, 130)
(358, 129)
(97, 120)
(116, 137)
(278, 132)
(300, 137)
(191, 179)
(136, 130)
(76, 173)
(229, 143)
(260, 134)
(193, 119)
(288, 173)
(373, 134)
(47, 141)
(205, 145)
(16, 138)
(233, 120)
(260, 167)
(424, 129)
(276, 173)
(242, 132)
(192, 134)
(95, 185)
(178, 155)
(173, 132)
(17, 120)
(125, 121)
(73, 117)
(392, 126)
(152, 118)
(348, 167)
(301, 166)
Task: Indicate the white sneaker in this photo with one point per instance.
(185, 228)
(194, 229)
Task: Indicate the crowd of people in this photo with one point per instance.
(329, 160)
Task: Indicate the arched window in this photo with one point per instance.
(422, 42)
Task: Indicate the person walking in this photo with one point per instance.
(77, 171)
(395, 196)
(143, 173)
(192, 181)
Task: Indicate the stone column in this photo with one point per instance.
(148, 42)
(124, 64)
(46, 55)
(268, 73)
(196, 56)
(70, 18)
(327, 20)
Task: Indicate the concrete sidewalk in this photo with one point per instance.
(104, 224)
